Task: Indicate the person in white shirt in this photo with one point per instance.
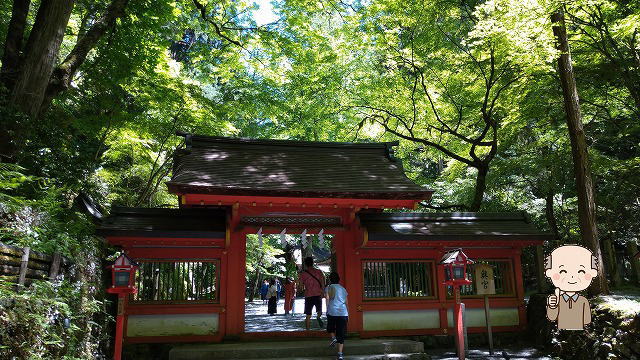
(337, 313)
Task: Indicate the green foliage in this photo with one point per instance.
(35, 212)
(264, 259)
(32, 321)
(12, 178)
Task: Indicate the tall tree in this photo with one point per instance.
(610, 30)
(13, 43)
(40, 55)
(30, 73)
(451, 104)
(579, 151)
(62, 75)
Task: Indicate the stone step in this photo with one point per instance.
(414, 356)
(297, 349)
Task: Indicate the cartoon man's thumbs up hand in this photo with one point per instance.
(552, 300)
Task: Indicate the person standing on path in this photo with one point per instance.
(263, 291)
(313, 281)
(272, 295)
(289, 295)
(279, 287)
(337, 314)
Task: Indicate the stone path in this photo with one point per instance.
(511, 354)
(257, 320)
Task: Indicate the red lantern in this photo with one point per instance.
(455, 274)
(455, 267)
(123, 274)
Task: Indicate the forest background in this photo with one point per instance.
(93, 92)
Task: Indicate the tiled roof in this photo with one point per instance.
(450, 226)
(216, 165)
(159, 222)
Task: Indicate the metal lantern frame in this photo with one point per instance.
(455, 267)
(123, 264)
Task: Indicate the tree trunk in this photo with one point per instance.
(549, 213)
(612, 262)
(308, 250)
(63, 74)
(11, 62)
(584, 185)
(290, 261)
(543, 286)
(481, 186)
(13, 43)
(40, 55)
(254, 285)
(632, 250)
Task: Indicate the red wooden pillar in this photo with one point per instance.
(353, 276)
(459, 324)
(517, 265)
(222, 293)
(337, 247)
(117, 351)
(235, 278)
(441, 289)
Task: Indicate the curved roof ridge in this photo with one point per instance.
(196, 140)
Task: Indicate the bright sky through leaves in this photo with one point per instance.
(264, 14)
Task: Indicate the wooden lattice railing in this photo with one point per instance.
(23, 265)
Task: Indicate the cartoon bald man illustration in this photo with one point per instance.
(571, 269)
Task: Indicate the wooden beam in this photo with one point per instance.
(55, 266)
(23, 266)
(15, 251)
(16, 261)
(365, 238)
(29, 273)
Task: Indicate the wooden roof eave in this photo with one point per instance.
(177, 188)
(185, 234)
(368, 218)
(458, 237)
(194, 140)
(520, 240)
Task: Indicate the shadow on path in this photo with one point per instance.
(511, 354)
(256, 318)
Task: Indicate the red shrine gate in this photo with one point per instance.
(192, 260)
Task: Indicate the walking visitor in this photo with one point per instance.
(279, 287)
(313, 281)
(289, 295)
(337, 314)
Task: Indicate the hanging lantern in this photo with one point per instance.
(455, 267)
(123, 273)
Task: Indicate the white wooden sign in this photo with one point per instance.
(484, 279)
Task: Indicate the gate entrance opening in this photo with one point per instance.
(278, 259)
